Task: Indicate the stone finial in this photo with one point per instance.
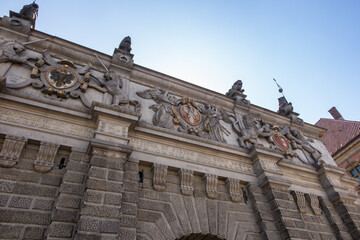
(11, 150)
(314, 203)
(286, 109)
(234, 189)
(300, 201)
(236, 92)
(211, 185)
(125, 45)
(159, 176)
(186, 178)
(46, 157)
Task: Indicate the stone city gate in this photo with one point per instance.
(96, 147)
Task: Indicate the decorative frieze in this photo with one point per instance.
(159, 177)
(300, 201)
(11, 150)
(234, 189)
(186, 178)
(211, 185)
(46, 156)
(314, 203)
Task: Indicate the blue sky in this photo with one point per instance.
(311, 47)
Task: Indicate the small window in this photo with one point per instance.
(355, 172)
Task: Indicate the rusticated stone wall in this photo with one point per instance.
(169, 214)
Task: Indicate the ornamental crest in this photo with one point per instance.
(186, 115)
(280, 141)
(190, 114)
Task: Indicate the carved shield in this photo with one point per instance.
(281, 141)
(190, 114)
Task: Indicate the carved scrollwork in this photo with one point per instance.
(300, 201)
(186, 177)
(46, 156)
(314, 203)
(159, 176)
(11, 150)
(234, 189)
(211, 187)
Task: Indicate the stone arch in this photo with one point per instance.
(171, 216)
(200, 236)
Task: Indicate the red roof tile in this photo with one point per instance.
(339, 133)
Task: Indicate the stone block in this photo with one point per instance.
(88, 236)
(127, 234)
(63, 215)
(129, 209)
(78, 166)
(104, 185)
(131, 176)
(35, 190)
(113, 199)
(132, 165)
(26, 217)
(43, 204)
(72, 189)
(128, 221)
(6, 186)
(10, 231)
(20, 202)
(93, 196)
(133, 186)
(117, 176)
(101, 211)
(69, 202)
(96, 172)
(109, 226)
(53, 180)
(87, 224)
(32, 233)
(74, 177)
(4, 200)
(61, 230)
(130, 197)
(107, 163)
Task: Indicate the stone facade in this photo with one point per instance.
(96, 147)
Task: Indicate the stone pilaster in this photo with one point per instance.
(276, 191)
(106, 211)
(340, 191)
(66, 211)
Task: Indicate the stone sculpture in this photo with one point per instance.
(199, 119)
(125, 45)
(30, 11)
(15, 52)
(286, 109)
(237, 93)
(248, 133)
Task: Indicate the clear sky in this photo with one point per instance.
(312, 47)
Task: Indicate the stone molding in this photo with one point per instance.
(211, 185)
(11, 150)
(314, 203)
(159, 177)
(300, 201)
(186, 178)
(234, 189)
(46, 157)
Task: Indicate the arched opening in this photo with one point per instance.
(200, 236)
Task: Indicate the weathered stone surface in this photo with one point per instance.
(34, 233)
(20, 202)
(43, 204)
(113, 199)
(10, 231)
(61, 230)
(4, 200)
(26, 217)
(109, 226)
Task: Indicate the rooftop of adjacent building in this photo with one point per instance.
(340, 132)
